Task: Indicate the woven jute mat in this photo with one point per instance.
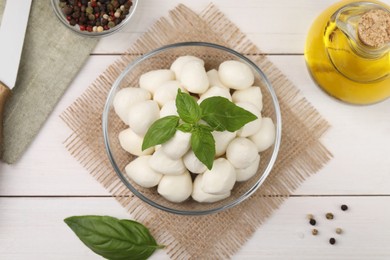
(217, 235)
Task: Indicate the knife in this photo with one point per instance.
(12, 31)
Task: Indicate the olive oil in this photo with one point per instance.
(339, 65)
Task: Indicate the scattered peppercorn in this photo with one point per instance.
(329, 216)
(312, 222)
(339, 231)
(344, 207)
(95, 15)
(314, 232)
(332, 241)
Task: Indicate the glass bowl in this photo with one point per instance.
(76, 28)
(162, 58)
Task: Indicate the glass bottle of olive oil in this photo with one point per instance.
(348, 55)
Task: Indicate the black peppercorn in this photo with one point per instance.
(344, 207)
(332, 241)
(312, 222)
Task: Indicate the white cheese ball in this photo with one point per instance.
(193, 164)
(214, 79)
(194, 77)
(142, 115)
(178, 64)
(236, 74)
(132, 143)
(139, 171)
(222, 140)
(200, 196)
(169, 109)
(153, 79)
(162, 163)
(245, 174)
(252, 95)
(215, 92)
(220, 179)
(265, 137)
(175, 188)
(167, 92)
(127, 97)
(178, 145)
(252, 127)
(241, 152)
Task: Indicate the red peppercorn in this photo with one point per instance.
(82, 28)
(97, 15)
(106, 27)
(69, 18)
(89, 28)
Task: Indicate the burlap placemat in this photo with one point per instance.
(219, 235)
(52, 56)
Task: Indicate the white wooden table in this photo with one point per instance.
(47, 184)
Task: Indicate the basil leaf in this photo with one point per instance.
(112, 238)
(221, 114)
(203, 145)
(187, 108)
(160, 131)
(186, 128)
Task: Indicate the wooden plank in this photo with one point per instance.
(276, 26)
(33, 228)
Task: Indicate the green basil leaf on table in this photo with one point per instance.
(187, 108)
(203, 146)
(112, 238)
(221, 114)
(160, 131)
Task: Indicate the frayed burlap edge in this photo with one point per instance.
(219, 235)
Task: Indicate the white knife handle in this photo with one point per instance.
(4, 95)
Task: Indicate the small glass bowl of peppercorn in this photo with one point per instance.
(94, 18)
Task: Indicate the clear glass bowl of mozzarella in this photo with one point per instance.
(169, 176)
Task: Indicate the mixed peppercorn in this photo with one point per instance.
(95, 15)
(328, 216)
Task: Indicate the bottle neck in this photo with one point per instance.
(367, 26)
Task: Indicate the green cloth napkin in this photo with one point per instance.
(52, 56)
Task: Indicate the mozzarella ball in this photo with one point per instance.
(245, 174)
(127, 97)
(178, 145)
(252, 95)
(153, 79)
(178, 64)
(132, 143)
(215, 92)
(192, 163)
(220, 179)
(140, 172)
(194, 77)
(200, 196)
(166, 92)
(169, 109)
(214, 79)
(236, 74)
(175, 188)
(252, 127)
(222, 140)
(142, 115)
(265, 137)
(241, 152)
(162, 163)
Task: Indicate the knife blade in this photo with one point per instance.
(12, 31)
